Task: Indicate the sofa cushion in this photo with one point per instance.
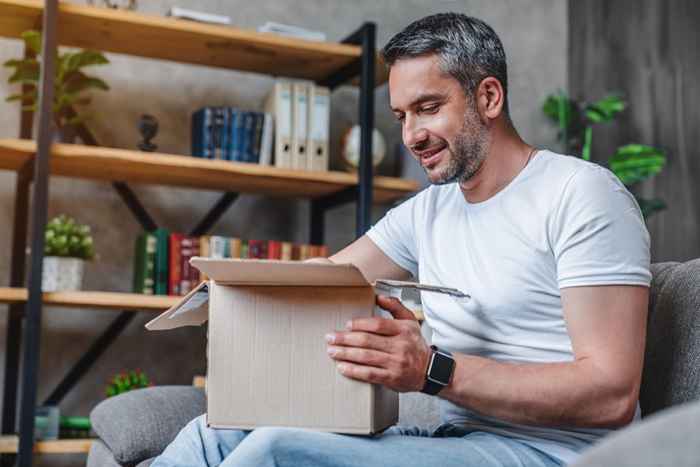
(100, 455)
(672, 357)
(139, 424)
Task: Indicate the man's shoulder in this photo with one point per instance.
(565, 172)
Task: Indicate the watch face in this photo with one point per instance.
(441, 368)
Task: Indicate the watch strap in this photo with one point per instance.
(432, 386)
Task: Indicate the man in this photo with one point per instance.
(546, 357)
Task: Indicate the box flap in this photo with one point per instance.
(192, 310)
(390, 285)
(275, 272)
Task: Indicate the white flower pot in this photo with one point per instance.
(61, 273)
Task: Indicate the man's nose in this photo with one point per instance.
(413, 133)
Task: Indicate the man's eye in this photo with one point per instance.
(400, 118)
(431, 109)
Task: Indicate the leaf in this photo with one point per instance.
(605, 110)
(25, 73)
(634, 163)
(77, 81)
(558, 107)
(32, 40)
(84, 58)
(587, 143)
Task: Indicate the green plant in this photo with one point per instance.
(69, 84)
(632, 163)
(124, 382)
(65, 237)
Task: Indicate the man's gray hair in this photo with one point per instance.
(468, 49)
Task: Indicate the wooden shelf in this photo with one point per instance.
(10, 443)
(183, 41)
(74, 160)
(91, 299)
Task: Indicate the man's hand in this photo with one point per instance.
(390, 352)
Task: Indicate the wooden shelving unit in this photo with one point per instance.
(156, 37)
(91, 162)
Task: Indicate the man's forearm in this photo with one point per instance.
(547, 394)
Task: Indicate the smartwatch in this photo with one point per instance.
(439, 373)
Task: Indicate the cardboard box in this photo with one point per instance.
(267, 360)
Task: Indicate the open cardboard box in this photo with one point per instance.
(267, 360)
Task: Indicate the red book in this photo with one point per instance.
(323, 251)
(189, 247)
(174, 266)
(313, 251)
(274, 249)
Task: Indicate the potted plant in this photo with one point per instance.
(70, 83)
(67, 246)
(632, 163)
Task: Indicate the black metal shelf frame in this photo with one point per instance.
(35, 176)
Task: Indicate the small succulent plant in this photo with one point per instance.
(65, 237)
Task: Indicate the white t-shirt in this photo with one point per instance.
(561, 222)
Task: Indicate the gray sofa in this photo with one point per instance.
(666, 436)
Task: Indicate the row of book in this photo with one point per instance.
(292, 132)
(162, 258)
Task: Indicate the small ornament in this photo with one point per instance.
(350, 148)
(125, 382)
(148, 127)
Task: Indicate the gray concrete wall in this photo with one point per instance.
(534, 33)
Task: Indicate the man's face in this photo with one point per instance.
(440, 124)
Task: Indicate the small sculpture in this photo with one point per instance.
(148, 127)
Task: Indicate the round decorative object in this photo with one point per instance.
(61, 273)
(350, 148)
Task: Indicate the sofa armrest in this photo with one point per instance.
(139, 424)
(671, 437)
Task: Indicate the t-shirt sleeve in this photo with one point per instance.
(598, 233)
(394, 234)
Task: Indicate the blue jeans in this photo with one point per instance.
(447, 446)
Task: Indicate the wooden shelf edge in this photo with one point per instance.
(9, 444)
(94, 299)
(101, 163)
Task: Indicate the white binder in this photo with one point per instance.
(266, 140)
(279, 104)
(300, 135)
(319, 121)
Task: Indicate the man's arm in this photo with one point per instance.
(370, 260)
(599, 388)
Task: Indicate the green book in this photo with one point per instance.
(161, 261)
(144, 263)
(143, 268)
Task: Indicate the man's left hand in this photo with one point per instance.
(390, 352)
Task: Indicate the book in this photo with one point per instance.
(286, 254)
(161, 261)
(257, 249)
(235, 129)
(256, 136)
(319, 123)
(204, 251)
(190, 276)
(219, 133)
(193, 15)
(279, 104)
(235, 247)
(219, 247)
(274, 249)
(244, 249)
(300, 135)
(202, 127)
(292, 31)
(144, 264)
(175, 263)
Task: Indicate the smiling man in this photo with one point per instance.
(546, 357)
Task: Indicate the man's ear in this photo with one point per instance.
(490, 99)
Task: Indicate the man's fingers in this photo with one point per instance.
(394, 306)
(375, 325)
(359, 339)
(368, 374)
(366, 357)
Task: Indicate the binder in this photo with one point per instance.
(279, 104)
(300, 135)
(266, 140)
(319, 122)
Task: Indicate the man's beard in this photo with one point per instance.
(469, 152)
